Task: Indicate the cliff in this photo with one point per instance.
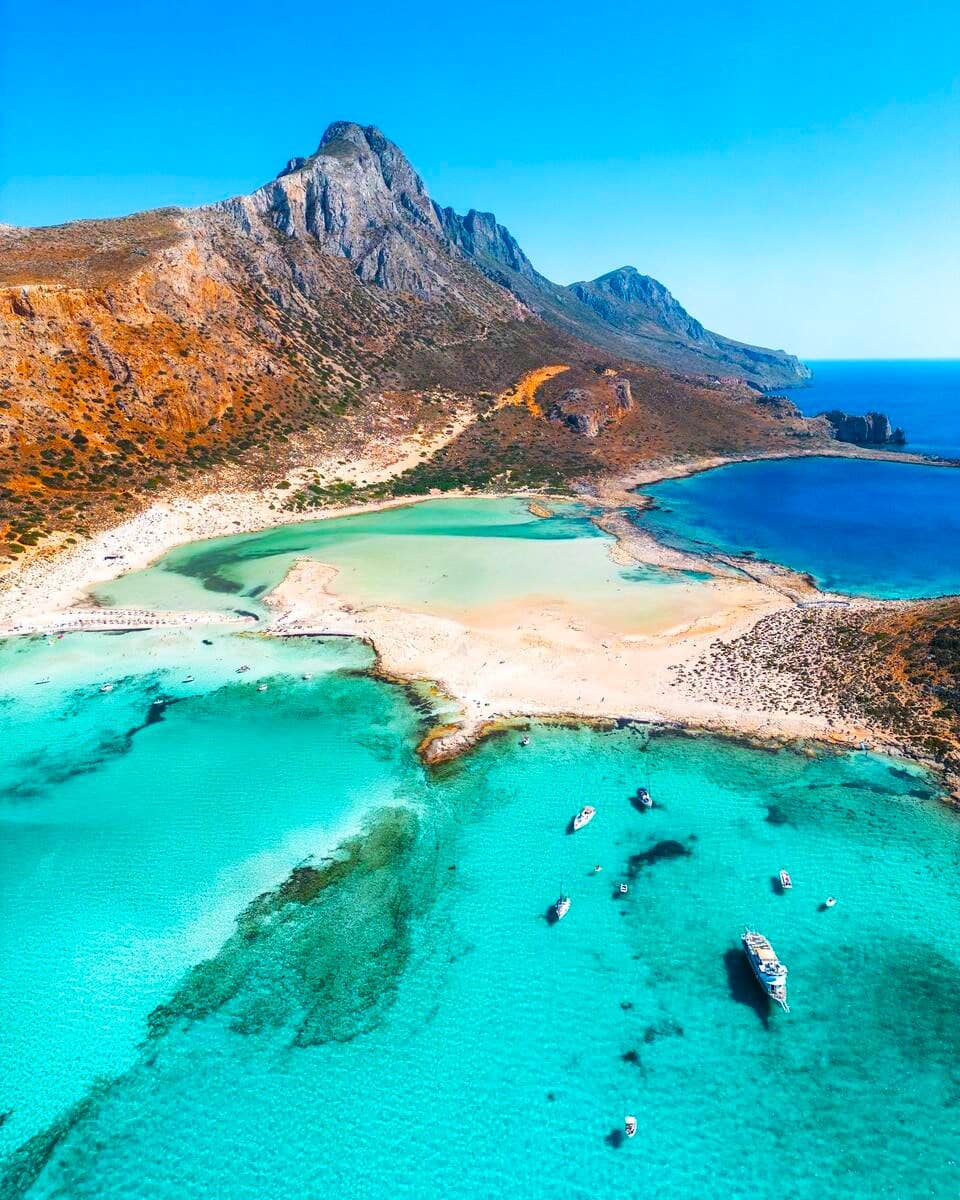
(871, 429)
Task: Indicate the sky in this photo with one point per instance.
(790, 172)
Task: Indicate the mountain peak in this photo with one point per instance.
(629, 300)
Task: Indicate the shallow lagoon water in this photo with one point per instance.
(405, 1019)
(445, 556)
(873, 528)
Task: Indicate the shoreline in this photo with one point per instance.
(416, 647)
(56, 577)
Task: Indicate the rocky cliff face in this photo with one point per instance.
(628, 300)
(871, 429)
(358, 197)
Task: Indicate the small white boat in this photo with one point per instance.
(47, 680)
(240, 670)
(307, 675)
(106, 687)
(785, 881)
(644, 797)
(562, 907)
(584, 817)
(188, 679)
(524, 741)
(261, 687)
(623, 889)
(597, 869)
(629, 1126)
(830, 902)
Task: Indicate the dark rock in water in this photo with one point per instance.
(615, 1138)
(872, 429)
(631, 1057)
(776, 815)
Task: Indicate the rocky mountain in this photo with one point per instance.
(359, 198)
(628, 300)
(326, 309)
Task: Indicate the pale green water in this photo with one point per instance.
(447, 555)
(415, 1027)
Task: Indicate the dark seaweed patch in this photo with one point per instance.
(663, 851)
(282, 967)
(664, 1029)
(42, 771)
(776, 815)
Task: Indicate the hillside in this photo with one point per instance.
(330, 307)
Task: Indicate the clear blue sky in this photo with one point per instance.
(791, 172)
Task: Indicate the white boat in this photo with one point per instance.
(785, 881)
(584, 817)
(307, 675)
(47, 680)
(524, 741)
(188, 679)
(562, 907)
(623, 889)
(770, 972)
(830, 902)
(629, 1126)
(240, 670)
(106, 687)
(261, 687)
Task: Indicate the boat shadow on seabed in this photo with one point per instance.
(743, 986)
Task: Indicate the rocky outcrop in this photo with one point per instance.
(871, 429)
(588, 411)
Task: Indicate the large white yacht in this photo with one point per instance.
(770, 972)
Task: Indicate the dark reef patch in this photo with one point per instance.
(44, 769)
(664, 851)
(662, 1030)
(776, 815)
(284, 967)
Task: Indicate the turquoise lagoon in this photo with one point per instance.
(874, 528)
(398, 1016)
(444, 556)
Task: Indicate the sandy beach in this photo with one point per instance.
(557, 658)
(546, 657)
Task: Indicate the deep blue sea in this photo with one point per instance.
(872, 528)
(922, 396)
